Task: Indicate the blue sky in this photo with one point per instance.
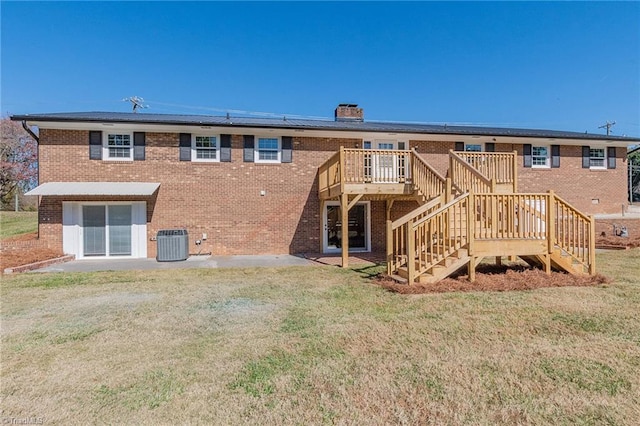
(558, 65)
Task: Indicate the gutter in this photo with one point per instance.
(31, 133)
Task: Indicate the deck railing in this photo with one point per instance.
(373, 166)
(376, 166)
(330, 172)
(481, 172)
(425, 237)
(573, 232)
(510, 216)
(398, 231)
(427, 180)
(466, 177)
(500, 166)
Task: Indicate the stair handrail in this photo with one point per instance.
(474, 180)
(427, 179)
(578, 240)
(415, 213)
(499, 165)
(329, 173)
(448, 239)
(441, 209)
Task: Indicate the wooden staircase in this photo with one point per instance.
(477, 216)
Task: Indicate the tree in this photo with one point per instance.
(18, 160)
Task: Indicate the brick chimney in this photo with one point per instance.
(349, 112)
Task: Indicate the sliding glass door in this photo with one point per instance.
(107, 230)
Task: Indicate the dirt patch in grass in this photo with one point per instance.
(25, 251)
(10, 258)
(497, 278)
(617, 242)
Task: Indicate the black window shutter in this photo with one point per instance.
(611, 157)
(287, 149)
(526, 154)
(586, 154)
(225, 148)
(95, 145)
(185, 146)
(555, 156)
(459, 146)
(248, 154)
(139, 141)
(489, 147)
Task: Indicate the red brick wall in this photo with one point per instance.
(578, 186)
(223, 199)
(220, 199)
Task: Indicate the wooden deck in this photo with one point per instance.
(475, 213)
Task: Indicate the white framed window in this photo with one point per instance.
(540, 157)
(205, 148)
(268, 150)
(473, 147)
(597, 158)
(118, 146)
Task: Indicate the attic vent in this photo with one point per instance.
(349, 112)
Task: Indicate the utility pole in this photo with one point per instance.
(136, 102)
(608, 125)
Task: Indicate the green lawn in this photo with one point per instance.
(317, 345)
(16, 223)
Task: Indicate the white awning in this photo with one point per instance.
(95, 188)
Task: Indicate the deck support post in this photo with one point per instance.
(551, 222)
(472, 268)
(471, 225)
(323, 231)
(547, 263)
(592, 245)
(411, 251)
(515, 171)
(344, 217)
(389, 204)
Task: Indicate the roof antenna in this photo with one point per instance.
(136, 102)
(608, 125)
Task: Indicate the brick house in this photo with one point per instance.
(110, 181)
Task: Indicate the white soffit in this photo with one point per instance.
(95, 188)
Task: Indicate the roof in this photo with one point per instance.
(95, 188)
(308, 124)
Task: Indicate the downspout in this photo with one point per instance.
(37, 139)
(28, 130)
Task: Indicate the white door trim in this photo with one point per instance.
(72, 230)
(367, 219)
